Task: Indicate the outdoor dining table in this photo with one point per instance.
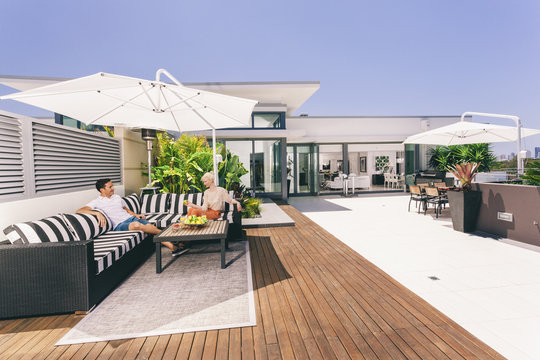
(213, 230)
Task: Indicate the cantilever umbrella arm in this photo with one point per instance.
(518, 126)
(214, 145)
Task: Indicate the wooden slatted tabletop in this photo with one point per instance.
(185, 231)
(213, 230)
(315, 298)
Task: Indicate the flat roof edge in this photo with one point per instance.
(374, 116)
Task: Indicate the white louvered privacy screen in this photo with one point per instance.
(11, 160)
(56, 158)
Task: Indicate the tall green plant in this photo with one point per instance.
(532, 173)
(230, 169)
(463, 161)
(180, 164)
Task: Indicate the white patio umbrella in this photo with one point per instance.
(115, 100)
(466, 132)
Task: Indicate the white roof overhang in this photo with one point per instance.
(291, 94)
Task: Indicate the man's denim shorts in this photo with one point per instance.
(124, 225)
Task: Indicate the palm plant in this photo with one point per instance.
(463, 161)
(230, 169)
(180, 164)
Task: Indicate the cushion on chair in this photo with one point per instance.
(177, 202)
(133, 203)
(155, 203)
(113, 245)
(86, 226)
(163, 220)
(51, 229)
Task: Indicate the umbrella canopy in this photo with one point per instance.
(115, 100)
(465, 132)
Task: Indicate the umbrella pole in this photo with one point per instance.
(216, 175)
(149, 149)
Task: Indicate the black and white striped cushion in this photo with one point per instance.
(228, 210)
(177, 202)
(163, 220)
(155, 203)
(112, 246)
(51, 229)
(133, 203)
(86, 226)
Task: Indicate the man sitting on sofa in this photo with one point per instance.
(121, 217)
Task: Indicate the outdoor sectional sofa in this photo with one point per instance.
(68, 263)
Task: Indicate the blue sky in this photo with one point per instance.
(414, 57)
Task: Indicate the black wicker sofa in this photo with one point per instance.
(68, 263)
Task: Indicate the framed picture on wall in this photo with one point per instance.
(363, 163)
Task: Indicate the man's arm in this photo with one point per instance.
(88, 210)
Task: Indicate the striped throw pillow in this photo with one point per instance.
(86, 226)
(133, 203)
(155, 203)
(51, 229)
(177, 202)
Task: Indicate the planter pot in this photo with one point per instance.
(464, 208)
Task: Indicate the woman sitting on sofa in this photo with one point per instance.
(213, 199)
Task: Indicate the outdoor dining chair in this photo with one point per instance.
(440, 185)
(387, 180)
(434, 197)
(417, 196)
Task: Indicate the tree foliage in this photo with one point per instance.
(463, 161)
(532, 173)
(180, 164)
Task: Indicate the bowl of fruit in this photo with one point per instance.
(194, 221)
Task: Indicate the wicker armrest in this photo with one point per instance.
(45, 277)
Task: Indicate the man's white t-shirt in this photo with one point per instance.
(113, 207)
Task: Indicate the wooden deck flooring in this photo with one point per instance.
(315, 298)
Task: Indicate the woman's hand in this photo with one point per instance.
(188, 203)
(140, 216)
(239, 206)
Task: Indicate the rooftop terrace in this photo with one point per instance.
(315, 298)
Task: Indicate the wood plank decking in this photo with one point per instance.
(315, 299)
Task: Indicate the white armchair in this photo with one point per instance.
(337, 183)
(360, 182)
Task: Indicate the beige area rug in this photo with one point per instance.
(192, 294)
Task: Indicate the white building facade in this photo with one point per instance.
(289, 155)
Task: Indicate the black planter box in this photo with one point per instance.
(464, 208)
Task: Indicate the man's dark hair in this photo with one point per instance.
(100, 184)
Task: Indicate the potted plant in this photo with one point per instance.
(464, 162)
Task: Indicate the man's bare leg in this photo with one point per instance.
(151, 229)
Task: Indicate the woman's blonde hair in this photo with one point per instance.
(208, 176)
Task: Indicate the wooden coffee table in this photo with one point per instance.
(214, 230)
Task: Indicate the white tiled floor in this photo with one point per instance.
(489, 287)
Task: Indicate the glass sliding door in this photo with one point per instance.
(266, 166)
(243, 149)
(304, 170)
